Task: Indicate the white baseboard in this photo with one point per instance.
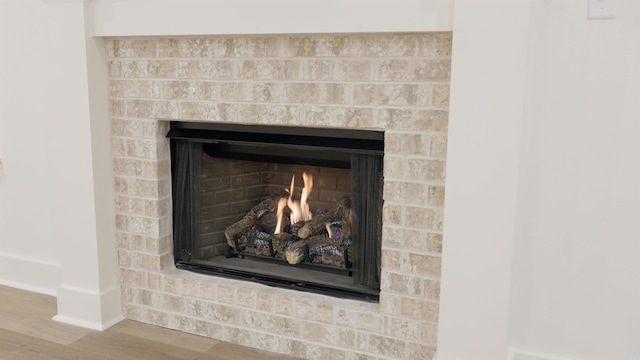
(517, 354)
(89, 309)
(29, 274)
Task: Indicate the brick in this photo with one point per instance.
(207, 111)
(253, 91)
(158, 245)
(425, 265)
(387, 346)
(351, 70)
(318, 93)
(393, 168)
(406, 144)
(391, 259)
(332, 116)
(167, 48)
(205, 69)
(264, 302)
(322, 333)
(406, 329)
(414, 70)
(436, 195)
(197, 47)
(190, 287)
(438, 146)
(148, 69)
(171, 285)
(124, 259)
(245, 298)
(152, 109)
(368, 322)
(227, 314)
(193, 90)
(304, 309)
(124, 127)
(430, 170)
(116, 108)
(284, 305)
(248, 47)
(130, 48)
(129, 205)
(325, 314)
(413, 119)
(154, 281)
(135, 88)
(406, 192)
(122, 222)
(127, 167)
(402, 284)
(420, 351)
(135, 278)
(226, 294)
(209, 291)
(429, 333)
(317, 70)
(442, 46)
(269, 113)
(392, 214)
(269, 70)
(114, 68)
(440, 96)
(428, 310)
(392, 94)
(425, 218)
(331, 46)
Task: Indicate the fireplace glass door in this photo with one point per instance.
(284, 206)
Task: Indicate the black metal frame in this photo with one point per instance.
(281, 144)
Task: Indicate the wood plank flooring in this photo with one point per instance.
(27, 332)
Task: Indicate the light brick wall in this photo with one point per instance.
(393, 82)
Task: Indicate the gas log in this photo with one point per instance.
(259, 217)
(268, 231)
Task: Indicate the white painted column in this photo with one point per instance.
(490, 49)
(76, 106)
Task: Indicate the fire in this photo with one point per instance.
(281, 204)
(299, 209)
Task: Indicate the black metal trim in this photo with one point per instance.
(373, 296)
(344, 140)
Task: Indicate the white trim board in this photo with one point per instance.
(193, 17)
(29, 274)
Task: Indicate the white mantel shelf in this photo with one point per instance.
(202, 17)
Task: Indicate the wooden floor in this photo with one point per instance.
(27, 332)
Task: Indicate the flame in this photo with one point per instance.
(328, 227)
(281, 204)
(299, 209)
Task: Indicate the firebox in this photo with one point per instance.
(284, 206)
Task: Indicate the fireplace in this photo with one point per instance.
(284, 206)
(394, 84)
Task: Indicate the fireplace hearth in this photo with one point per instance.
(284, 206)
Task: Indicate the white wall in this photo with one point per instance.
(490, 53)
(57, 222)
(576, 274)
(28, 254)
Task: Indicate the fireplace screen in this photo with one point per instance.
(284, 206)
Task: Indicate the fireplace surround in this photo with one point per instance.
(396, 83)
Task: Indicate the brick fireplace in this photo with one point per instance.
(397, 83)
